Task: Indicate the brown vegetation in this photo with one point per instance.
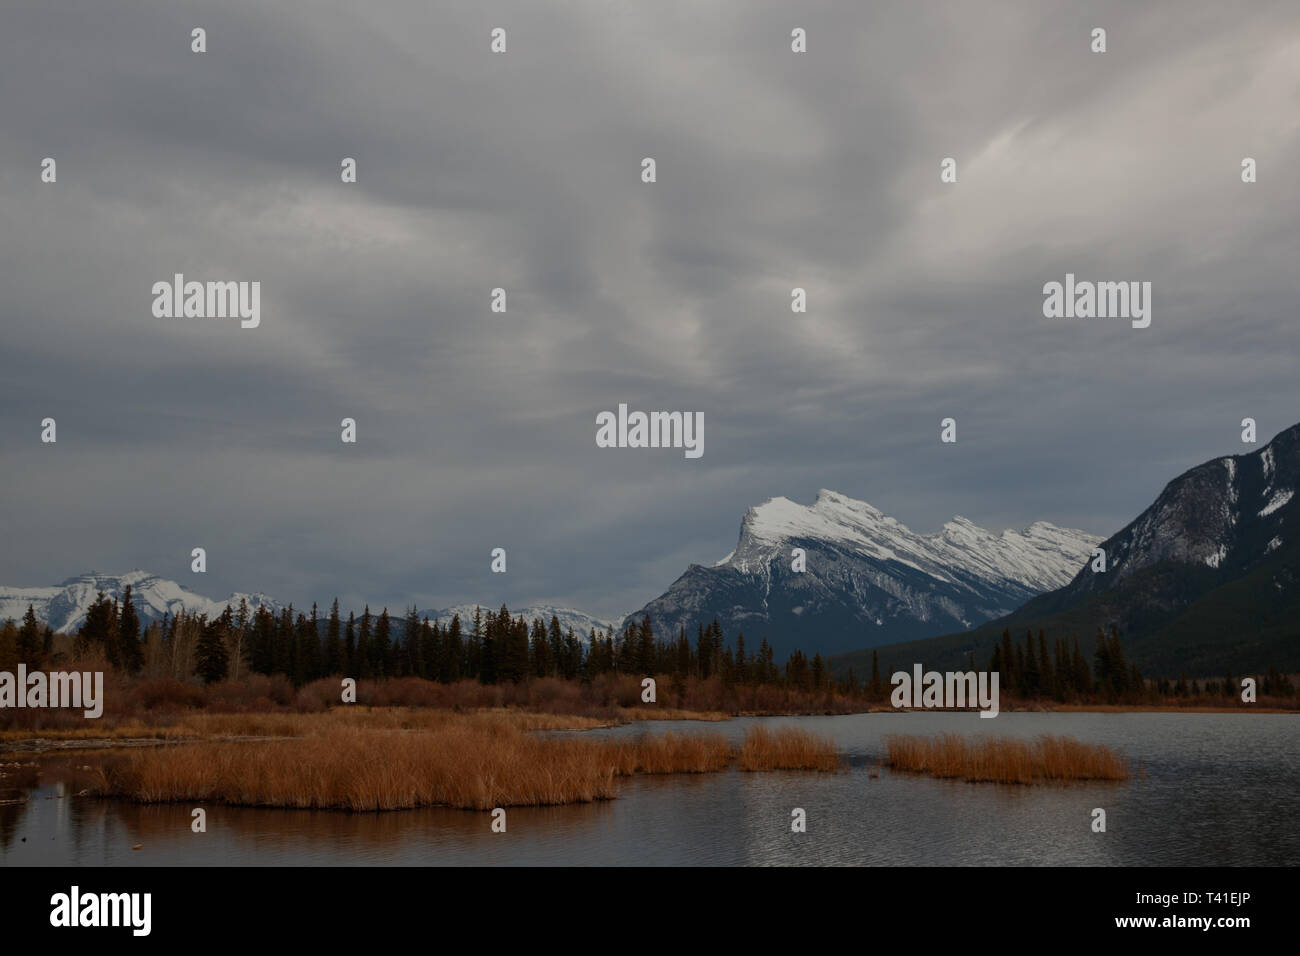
(475, 761)
(1005, 759)
(787, 749)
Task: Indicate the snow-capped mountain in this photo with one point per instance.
(64, 606)
(582, 623)
(869, 579)
(1204, 581)
(1228, 514)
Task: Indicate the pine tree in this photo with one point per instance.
(29, 643)
(430, 650)
(362, 653)
(1046, 671)
(310, 666)
(555, 644)
(283, 644)
(1119, 666)
(1102, 667)
(210, 655)
(453, 651)
(487, 650)
(572, 655)
(1082, 676)
(382, 658)
(472, 665)
(1032, 676)
(98, 629)
(515, 663)
(645, 646)
(263, 650)
(298, 668)
(1007, 660)
(350, 646)
(333, 658)
(411, 661)
(683, 666)
(539, 651)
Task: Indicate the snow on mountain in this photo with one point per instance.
(1223, 514)
(869, 578)
(1204, 581)
(581, 622)
(64, 607)
(1040, 557)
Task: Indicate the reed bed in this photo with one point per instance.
(475, 761)
(787, 749)
(670, 753)
(1046, 759)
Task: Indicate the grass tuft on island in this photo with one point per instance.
(469, 761)
(1046, 759)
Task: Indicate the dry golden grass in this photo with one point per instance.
(201, 726)
(371, 770)
(472, 761)
(787, 749)
(1005, 759)
(670, 753)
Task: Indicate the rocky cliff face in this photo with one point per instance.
(869, 579)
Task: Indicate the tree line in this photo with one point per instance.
(492, 647)
(496, 647)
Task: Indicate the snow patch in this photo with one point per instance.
(1279, 500)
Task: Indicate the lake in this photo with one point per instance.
(1218, 789)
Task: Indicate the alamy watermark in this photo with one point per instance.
(654, 430)
(56, 689)
(1101, 300)
(208, 300)
(955, 689)
(75, 908)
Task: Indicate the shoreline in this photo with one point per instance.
(136, 734)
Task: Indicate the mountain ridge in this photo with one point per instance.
(866, 571)
(63, 606)
(1206, 578)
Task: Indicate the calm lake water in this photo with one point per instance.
(1218, 789)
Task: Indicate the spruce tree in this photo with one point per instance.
(382, 657)
(1046, 671)
(363, 652)
(29, 643)
(210, 654)
(430, 650)
(411, 661)
(453, 651)
(332, 661)
(555, 644)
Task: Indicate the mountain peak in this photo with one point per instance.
(64, 607)
(865, 570)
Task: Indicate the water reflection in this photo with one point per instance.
(1218, 789)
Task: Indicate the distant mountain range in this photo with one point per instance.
(1204, 580)
(64, 606)
(869, 579)
(581, 622)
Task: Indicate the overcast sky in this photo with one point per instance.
(477, 430)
